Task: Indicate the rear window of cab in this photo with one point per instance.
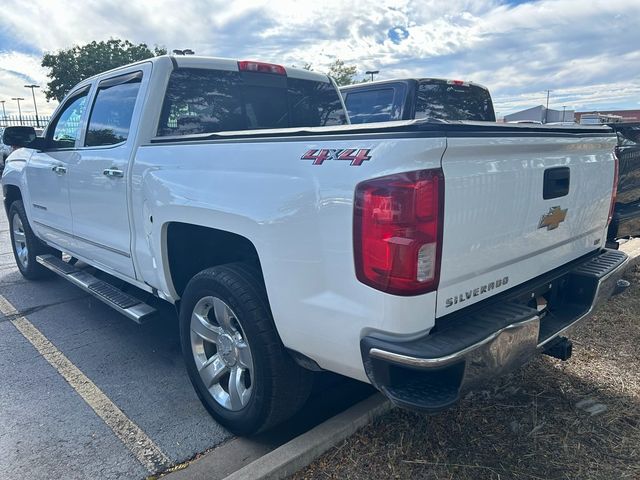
(209, 101)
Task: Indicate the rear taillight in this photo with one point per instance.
(614, 193)
(261, 67)
(398, 232)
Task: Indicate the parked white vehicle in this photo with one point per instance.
(5, 150)
(421, 257)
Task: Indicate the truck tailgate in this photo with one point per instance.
(499, 229)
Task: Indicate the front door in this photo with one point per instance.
(48, 174)
(98, 177)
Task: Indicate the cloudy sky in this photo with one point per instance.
(587, 52)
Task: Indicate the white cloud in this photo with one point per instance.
(586, 52)
(17, 70)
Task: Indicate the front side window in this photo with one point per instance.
(110, 118)
(208, 101)
(66, 127)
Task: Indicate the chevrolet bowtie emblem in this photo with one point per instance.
(553, 219)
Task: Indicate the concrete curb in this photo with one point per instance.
(301, 451)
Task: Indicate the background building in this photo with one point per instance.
(541, 114)
(626, 115)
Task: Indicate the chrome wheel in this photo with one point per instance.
(20, 241)
(222, 355)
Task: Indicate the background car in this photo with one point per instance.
(5, 150)
(626, 213)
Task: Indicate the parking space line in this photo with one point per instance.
(132, 436)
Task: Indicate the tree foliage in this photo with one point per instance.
(343, 74)
(70, 66)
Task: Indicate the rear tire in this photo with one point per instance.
(25, 245)
(235, 359)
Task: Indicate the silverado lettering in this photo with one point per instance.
(462, 297)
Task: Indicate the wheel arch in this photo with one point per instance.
(189, 249)
(11, 194)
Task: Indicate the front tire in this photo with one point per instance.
(25, 245)
(235, 359)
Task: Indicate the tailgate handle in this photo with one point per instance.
(556, 182)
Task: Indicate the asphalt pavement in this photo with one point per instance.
(50, 430)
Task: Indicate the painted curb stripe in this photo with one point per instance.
(132, 436)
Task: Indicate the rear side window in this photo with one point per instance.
(110, 118)
(207, 101)
(376, 105)
(439, 99)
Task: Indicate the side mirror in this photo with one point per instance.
(18, 137)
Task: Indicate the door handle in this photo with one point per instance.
(59, 169)
(556, 182)
(113, 172)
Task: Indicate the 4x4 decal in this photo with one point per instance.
(355, 155)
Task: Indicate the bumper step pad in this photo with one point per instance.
(128, 305)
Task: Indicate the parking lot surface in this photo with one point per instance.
(67, 395)
(47, 430)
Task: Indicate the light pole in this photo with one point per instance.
(17, 99)
(372, 73)
(4, 112)
(546, 112)
(563, 109)
(32, 87)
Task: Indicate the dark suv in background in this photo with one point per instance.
(626, 213)
(414, 98)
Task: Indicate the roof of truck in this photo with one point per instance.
(198, 61)
(416, 79)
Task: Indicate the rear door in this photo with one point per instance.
(47, 173)
(519, 203)
(98, 175)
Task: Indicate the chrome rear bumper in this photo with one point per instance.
(431, 372)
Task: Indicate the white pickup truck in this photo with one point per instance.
(421, 257)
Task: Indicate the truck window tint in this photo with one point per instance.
(314, 104)
(444, 101)
(372, 106)
(110, 118)
(265, 106)
(199, 101)
(208, 101)
(67, 126)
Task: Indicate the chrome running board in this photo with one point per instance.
(128, 305)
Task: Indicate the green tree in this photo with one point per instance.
(343, 74)
(70, 66)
